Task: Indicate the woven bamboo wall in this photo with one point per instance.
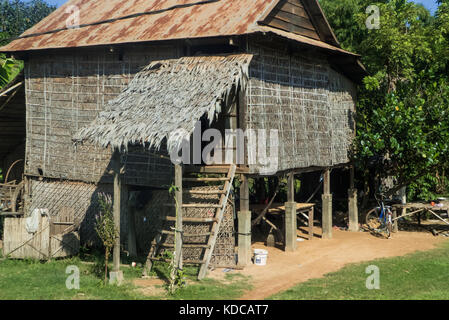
(310, 105)
(66, 91)
(80, 199)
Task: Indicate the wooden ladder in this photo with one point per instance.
(216, 221)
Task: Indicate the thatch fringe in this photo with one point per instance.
(166, 99)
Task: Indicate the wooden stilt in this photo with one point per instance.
(179, 229)
(116, 276)
(352, 203)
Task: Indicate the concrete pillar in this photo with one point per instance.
(327, 207)
(353, 211)
(244, 238)
(290, 227)
(327, 216)
(244, 224)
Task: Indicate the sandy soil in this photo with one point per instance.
(313, 259)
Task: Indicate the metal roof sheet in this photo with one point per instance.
(164, 20)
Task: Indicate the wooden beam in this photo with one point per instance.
(116, 163)
(327, 181)
(244, 193)
(291, 187)
(179, 206)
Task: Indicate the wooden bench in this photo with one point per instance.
(305, 209)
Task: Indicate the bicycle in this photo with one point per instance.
(380, 219)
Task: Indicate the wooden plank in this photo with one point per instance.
(193, 220)
(295, 20)
(296, 9)
(205, 179)
(280, 24)
(204, 192)
(184, 261)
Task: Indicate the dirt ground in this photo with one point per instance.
(313, 259)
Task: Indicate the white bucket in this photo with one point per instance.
(260, 257)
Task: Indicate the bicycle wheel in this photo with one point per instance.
(372, 219)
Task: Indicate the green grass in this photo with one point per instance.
(418, 276)
(34, 280)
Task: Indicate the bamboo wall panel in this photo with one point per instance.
(64, 93)
(311, 106)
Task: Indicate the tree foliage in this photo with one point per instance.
(15, 18)
(403, 107)
(105, 227)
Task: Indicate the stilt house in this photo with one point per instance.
(109, 100)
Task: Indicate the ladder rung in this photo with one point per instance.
(172, 245)
(172, 233)
(204, 191)
(201, 205)
(198, 220)
(183, 261)
(193, 205)
(205, 179)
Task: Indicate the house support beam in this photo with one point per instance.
(179, 213)
(132, 243)
(352, 204)
(327, 206)
(290, 216)
(244, 225)
(116, 275)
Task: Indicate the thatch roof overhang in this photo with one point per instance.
(166, 99)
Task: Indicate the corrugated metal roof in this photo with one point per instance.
(200, 19)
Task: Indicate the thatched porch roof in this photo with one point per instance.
(166, 99)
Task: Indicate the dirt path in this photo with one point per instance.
(313, 259)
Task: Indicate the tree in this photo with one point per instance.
(403, 104)
(16, 16)
(106, 229)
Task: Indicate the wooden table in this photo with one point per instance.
(418, 208)
(306, 209)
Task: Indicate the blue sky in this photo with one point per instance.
(430, 4)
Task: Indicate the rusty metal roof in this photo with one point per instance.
(164, 20)
(151, 20)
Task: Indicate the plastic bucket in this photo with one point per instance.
(260, 257)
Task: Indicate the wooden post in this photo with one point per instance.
(352, 204)
(116, 276)
(395, 222)
(311, 222)
(178, 227)
(291, 188)
(290, 216)
(327, 206)
(132, 245)
(244, 225)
